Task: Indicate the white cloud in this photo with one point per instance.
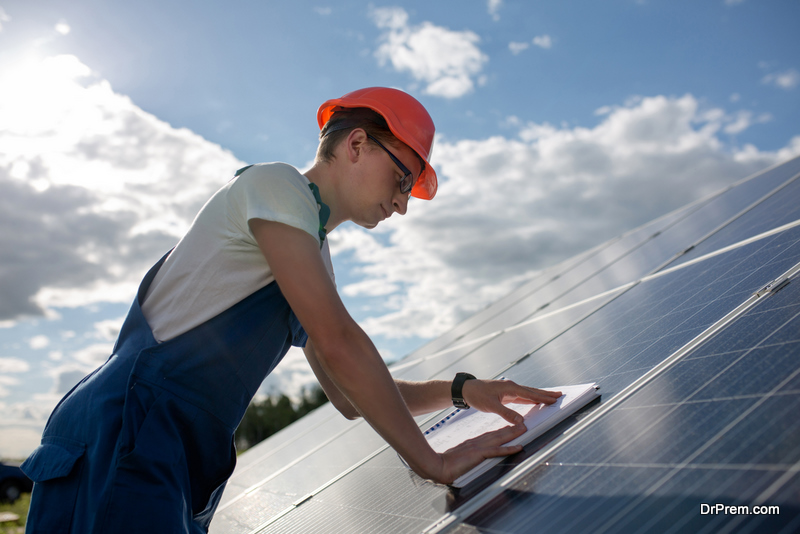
(743, 120)
(94, 188)
(788, 79)
(13, 365)
(7, 381)
(516, 47)
(323, 11)
(3, 18)
(494, 7)
(18, 442)
(22, 424)
(291, 377)
(38, 342)
(449, 62)
(92, 356)
(108, 329)
(507, 207)
(371, 288)
(543, 41)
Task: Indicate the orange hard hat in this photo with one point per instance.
(407, 119)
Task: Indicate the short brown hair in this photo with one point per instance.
(345, 120)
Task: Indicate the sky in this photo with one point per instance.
(560, 125)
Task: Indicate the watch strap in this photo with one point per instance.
(456, 390)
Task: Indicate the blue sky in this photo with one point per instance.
(559, 125)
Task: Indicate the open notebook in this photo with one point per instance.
(461, 425)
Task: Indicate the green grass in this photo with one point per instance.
(21, 509)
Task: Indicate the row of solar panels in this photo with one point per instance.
(699, 367)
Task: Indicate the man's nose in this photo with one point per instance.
(400, 203)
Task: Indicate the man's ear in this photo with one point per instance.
(356, 143)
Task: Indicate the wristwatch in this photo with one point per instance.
(455, 390)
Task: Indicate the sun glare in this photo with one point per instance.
(35, 92)
(63, 28)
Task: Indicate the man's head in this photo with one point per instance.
(390, 117)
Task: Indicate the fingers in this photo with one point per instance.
(509, 415)
(504, 450)
(525, 395)
(492, 395)
(467, 455)
(545, 394)
(504, 435)
(495, 438)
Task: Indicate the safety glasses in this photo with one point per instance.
(407, 183)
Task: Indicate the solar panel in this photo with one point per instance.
(720, 427)
(682, 349)
(773, 212)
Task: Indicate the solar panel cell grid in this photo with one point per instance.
(248, 514)
(781, 208)
(714, 428)
(321, 519)
(300, 475)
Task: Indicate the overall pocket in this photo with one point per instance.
(55, 468)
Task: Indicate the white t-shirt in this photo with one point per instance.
(218, 262)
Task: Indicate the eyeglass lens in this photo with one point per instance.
(407, 183)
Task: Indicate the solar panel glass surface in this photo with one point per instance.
(718, 427)
(781, 208)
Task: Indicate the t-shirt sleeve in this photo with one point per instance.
(273, 192)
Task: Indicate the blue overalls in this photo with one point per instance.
(145, 442)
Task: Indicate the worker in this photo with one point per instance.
(145, 442)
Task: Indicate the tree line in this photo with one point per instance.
(265, 417)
